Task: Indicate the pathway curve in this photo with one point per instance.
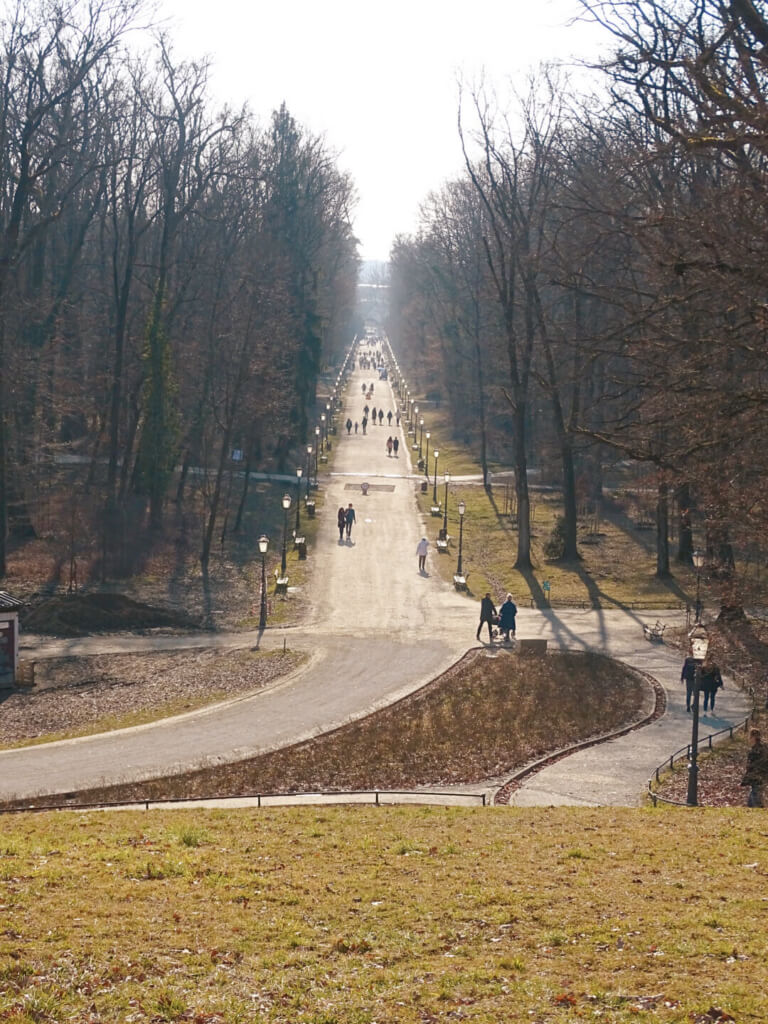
(375, 631)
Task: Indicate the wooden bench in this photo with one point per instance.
(532, 646)
(442, 546)
(298, 540)
(311, 509)
(281, 584)
(460, 580)
(436, 510)
(654, 633)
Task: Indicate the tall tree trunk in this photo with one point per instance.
(684, 527)
(662, 530)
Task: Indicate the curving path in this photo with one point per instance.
(374, 630)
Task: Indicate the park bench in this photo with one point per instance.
(442, 545)
(281, 583)
(436, 510)
(310, 506)
(460, 580)
(654, 633)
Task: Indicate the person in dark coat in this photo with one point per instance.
(349, 425)
(487, 614)
(507, 614)
(389, 418)
(711, 681)
(381, 417)
(349, 519)
(688, 676)
(374, 414)
(756, 774)
(341, 521)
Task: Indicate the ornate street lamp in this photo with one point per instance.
(324, 423)
(415, 419)
(699, 641)
(426, 459)
(286, 506)
(318, 446)
(445, 503)
(699, 557)
(309, 467)
(434, 490)
(298, 500)
(462, 509)
(263, 545)
(421, 434)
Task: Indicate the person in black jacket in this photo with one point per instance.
(711, 681)
(688, 676)
(487, 614)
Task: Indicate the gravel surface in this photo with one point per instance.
(71, 694)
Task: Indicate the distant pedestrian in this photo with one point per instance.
(507, 617)
(356, 426)
(349, 425)
(341, 521)
(365, 423)
(373, 415)
(487, 614)
(390, 445)
(711, 681)
(398, 417)
(421, 550)
(349, 518)
(363, 387)
(688, 676)
(756, 774)
(395, 445)
(389, 418)
(366, 408)
(381, 417)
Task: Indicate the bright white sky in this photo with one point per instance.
(378, 80)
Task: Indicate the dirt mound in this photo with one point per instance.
(81, 614)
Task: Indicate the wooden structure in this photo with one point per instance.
(9, 638)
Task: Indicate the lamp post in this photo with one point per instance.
(462, 509)
(298, 500)
(286, 506)
(426, 458)
(329, 420)
(324, 423)
(263, 545)
(434, 489)
(421, 434)
(309, 467)
(699, 557)
(318, 445)
(445, 504)
(699, 641)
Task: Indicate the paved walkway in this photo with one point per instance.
(376, 630)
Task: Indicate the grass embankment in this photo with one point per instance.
(400, 915)
(484, 719)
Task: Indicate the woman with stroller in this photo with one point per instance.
(507, 614)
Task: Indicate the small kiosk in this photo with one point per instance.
(9, 638)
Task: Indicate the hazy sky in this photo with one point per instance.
(378, 80)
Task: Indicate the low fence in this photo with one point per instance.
(377, 798)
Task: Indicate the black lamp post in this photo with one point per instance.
(324, 425)
(309, 468)
(329, 419)
(462, 510)
(699, 557)
(445, 510)
(415, 421)
(699, 642)
(298, 500)
(318, 445)
(434, 489)
(426, 458)
(286, 506)
(263, 545)
(421, 434)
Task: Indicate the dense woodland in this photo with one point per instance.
(593, 289)
(173, 279)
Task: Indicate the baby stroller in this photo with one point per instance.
(497, 632)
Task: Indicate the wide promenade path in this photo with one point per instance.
(374, 630)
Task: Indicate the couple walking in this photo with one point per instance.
(505, 617)
(392, 445)
(344, 520)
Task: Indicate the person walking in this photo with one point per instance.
(711, 681)
(349, 518)
(487, 614)
(390, 444)
(373, 415)
(381, 417)
(421, 550)
(395, 445)
(366, 410)
(341, 521)
(389, 418)
(688, 676)
(365, 423)
(756, 774)
(397, 417)
(507, 615)
(349, 425)
(356, 426)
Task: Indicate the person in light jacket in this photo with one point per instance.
(421, 550)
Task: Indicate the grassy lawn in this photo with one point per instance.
(353, 916)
